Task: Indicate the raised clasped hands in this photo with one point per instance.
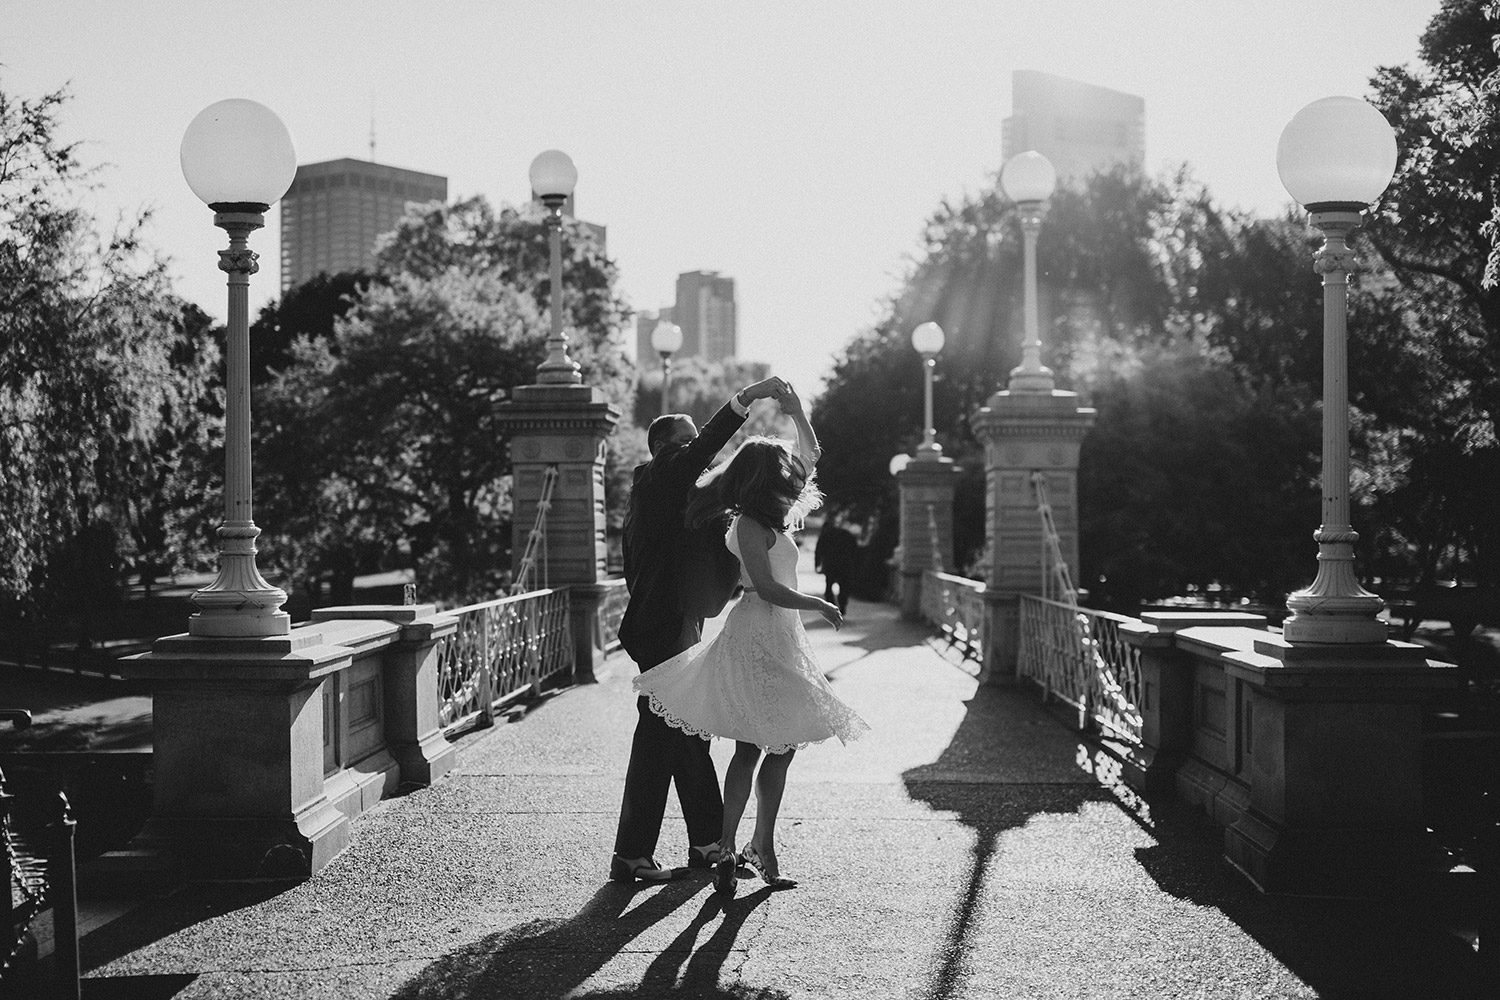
(766, 388)
(789, 401)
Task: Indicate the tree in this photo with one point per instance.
(389, 437)
(99, 364)
(381, 439)
(309, 309)
(1438, 231)
(1109, 260)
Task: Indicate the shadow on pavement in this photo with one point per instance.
(551, 959)
(162, 987)
(987, 808)
(160, 918)
(1339, 947)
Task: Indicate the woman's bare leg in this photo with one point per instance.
(737, 779)
(770, 783)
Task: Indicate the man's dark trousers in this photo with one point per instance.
(659, 756)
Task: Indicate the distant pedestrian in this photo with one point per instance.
(661, 621)
(757, 682)
(835, 556)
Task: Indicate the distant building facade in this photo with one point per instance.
(1081, 128)
(705, 311)
(335, 210)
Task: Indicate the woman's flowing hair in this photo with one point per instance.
(764, 480)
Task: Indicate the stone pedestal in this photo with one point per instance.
(1023, 433)
(264, 748)
(1329, 738)
(1166, 693)
(238, 755)
(563, 426)
(927, 486)
(409, 684)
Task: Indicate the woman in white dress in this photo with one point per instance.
(756, 682)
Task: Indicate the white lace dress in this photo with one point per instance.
(756, 680)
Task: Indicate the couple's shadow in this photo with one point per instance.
(546, 959)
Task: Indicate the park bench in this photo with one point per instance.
(36, 840)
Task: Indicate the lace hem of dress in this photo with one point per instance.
(657, 707)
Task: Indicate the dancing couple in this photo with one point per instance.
(756, 682)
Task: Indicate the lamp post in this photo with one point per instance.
(237, 156)
(666, 340)
(1028, 179)
(1335, 157)
(927, 338)
(553, 178)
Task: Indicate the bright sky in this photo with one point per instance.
(796, 146)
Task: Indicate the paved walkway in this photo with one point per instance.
(961, 850)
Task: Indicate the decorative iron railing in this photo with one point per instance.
(955, 604)
(502, 650)
(611, 610)
(1077, 656)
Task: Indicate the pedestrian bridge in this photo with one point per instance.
(974, 844)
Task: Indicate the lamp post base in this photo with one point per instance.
(237, 625)
(1342, 620)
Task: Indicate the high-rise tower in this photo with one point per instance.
(333, 212)
(705, 311)
(1081, 128)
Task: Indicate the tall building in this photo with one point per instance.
(1081, 128)
(333, 212)
(705, 311)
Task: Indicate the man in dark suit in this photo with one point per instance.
(835, 556)
(656, 628)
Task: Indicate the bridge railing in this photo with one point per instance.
(611, 611)
(503, 650)
(955, 605)
(1077, 656)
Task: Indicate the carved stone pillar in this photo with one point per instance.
(927, 485)
(563, 426)
(1025, 432)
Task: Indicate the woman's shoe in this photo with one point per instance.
(726, 879)
(752, 858)
(644, 869)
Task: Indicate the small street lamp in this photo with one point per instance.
(898, 463)
(666, 340)
(1028, 179)
(927, 338)
(237, 156)
(553, 178)
(1336, 156)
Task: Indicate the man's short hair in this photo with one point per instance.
(661, 429)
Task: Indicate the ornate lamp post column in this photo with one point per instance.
(666, 340)
(553, 178)
(927, 484)
(1030, 426)
(1029, 179)
(928, 340)
(1328, 715)
(560, 423)
(237, 156)
(1335, 157)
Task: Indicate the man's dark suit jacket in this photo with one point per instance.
(654, 628)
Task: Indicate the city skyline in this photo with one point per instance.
(804, 163)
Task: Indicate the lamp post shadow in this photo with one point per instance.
(995, 778)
